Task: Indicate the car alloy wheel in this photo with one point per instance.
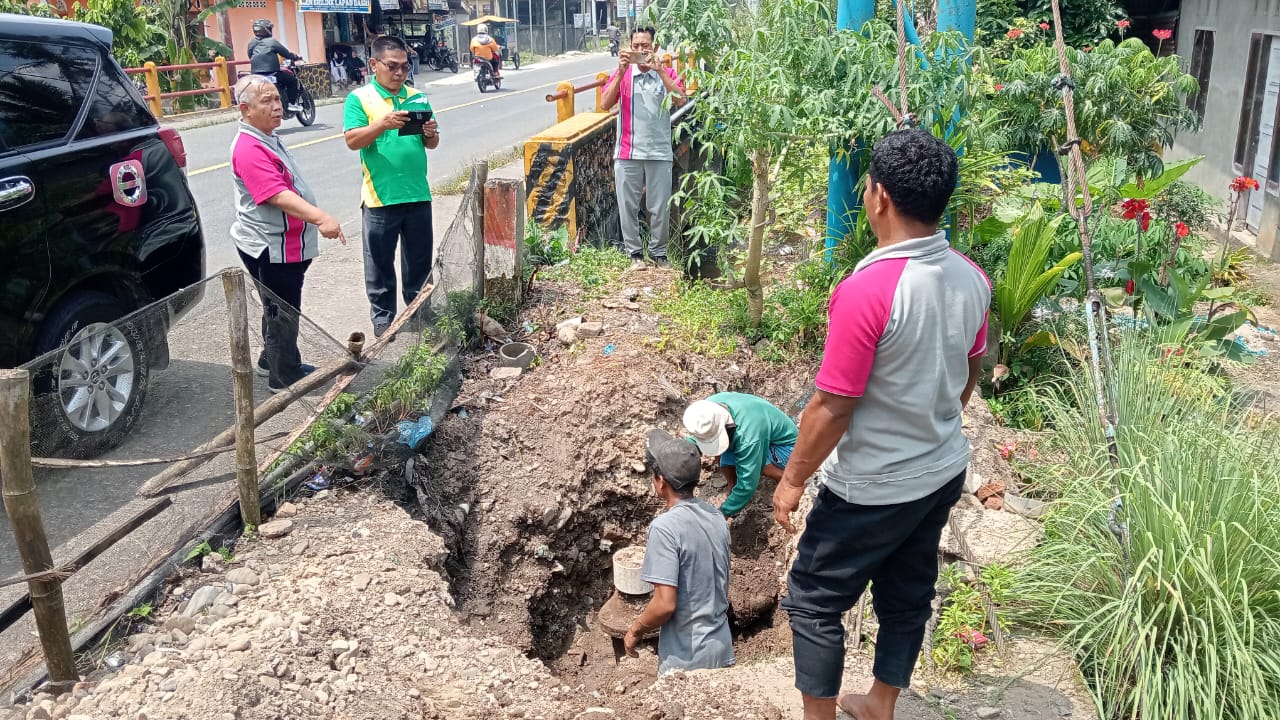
(96, 377)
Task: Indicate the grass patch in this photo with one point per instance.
(457, 184)
(595, 269)
(1182, 620)
(701, 319)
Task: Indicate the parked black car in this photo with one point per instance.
(96, 222)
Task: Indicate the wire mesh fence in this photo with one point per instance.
(120, 399)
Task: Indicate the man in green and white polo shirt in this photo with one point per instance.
(396, 197)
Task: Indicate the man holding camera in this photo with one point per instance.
(644, 92)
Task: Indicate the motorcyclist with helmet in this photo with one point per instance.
(264, 59)
(484, 47)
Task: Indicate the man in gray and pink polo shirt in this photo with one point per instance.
(904, 351)
(645, 93)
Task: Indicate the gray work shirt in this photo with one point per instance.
(689, 549)
(644, 116)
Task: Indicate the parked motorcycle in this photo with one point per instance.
(484, 75)
(441, 56)
(308, 115)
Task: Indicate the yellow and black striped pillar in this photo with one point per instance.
(569, 176)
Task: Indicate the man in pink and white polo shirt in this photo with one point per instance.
(276, 227)
(645, 93)
(904, 351)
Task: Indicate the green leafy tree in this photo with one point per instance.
(34, 9)
(138, 35)
(1128, 102)
(1085, 22)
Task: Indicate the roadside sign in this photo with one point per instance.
(335, 6)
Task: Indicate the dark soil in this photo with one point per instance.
(533, 483)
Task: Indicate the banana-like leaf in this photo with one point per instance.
(1025, 279)
(1152, 187)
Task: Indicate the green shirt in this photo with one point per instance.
(394, 165)
(760, 426)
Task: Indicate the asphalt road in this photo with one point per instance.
(190, 401)
(472, 125)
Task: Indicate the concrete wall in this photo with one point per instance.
(1234, 22)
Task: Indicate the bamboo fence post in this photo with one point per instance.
(23, 508)
(242, 383)
(479, 176)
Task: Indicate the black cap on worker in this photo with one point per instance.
(677, 461)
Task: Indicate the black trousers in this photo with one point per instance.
(287, 82)
(845, 546)
(409, 226)
(279, 321)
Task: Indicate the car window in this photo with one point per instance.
(42, 88)
(114, 107)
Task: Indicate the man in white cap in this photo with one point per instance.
(687, 562)
(749, 435)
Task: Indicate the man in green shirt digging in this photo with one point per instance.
(396, 196)
(750, 436)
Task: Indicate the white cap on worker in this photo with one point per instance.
(706, 421)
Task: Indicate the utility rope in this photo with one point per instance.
(1094, 309)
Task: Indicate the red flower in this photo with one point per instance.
(1162, 34)
(1243, 183)
(1087, 48)
(1013, 34)
(1044, 26)
(1145, 221)
(1129, 287)
(999, 87)
(1181, 229)
(1122, 24)
(1133, 207)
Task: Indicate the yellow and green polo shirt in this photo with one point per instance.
(394, 165)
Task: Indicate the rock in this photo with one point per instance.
(242, 576)
(275, 529)
(286, 510)
(505, 373)
(200, 600)
(630, 294)
(1026, 507)
(986, 713)
(995, 502)
(38, 713)
(567, 330)
(212, 563)
(300, 548)
(993, 537)
(591, 329)
(991, 489)
(672, 711)
(169, 684)
(239, 643)
(269, 682)
(973, 481)
(181, 623)
(360, 581)
(391, 600)
(595, 713)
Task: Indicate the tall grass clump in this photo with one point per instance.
(1182, 620)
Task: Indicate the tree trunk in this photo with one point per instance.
(755, 246)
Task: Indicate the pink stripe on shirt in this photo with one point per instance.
(859, 313)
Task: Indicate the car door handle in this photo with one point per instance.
(15, 192)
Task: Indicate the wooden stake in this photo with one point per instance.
(23, 508)
(242, 384)
(479, 176)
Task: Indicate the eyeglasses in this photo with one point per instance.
(395, 68)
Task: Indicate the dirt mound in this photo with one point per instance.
(540, 479)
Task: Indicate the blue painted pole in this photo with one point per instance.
(961, 15)
(842, 174)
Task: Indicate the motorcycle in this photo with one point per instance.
(308, 114)
(613, 46)
(484, 75)
(441, 56)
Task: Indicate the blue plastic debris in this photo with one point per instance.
(413, 433)
(318, 482)
(608, 349)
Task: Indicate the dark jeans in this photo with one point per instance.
(844, 546)
(408, 224)
(279, 322)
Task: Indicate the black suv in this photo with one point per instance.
(96, 221)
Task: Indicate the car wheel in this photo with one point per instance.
(92, 380)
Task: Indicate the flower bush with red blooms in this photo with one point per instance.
(1137, 210)
(999, 87)
(1162, 34)
(1181, 229)
(1122, 24)
(1014, 33)
(1044, 26)
(1243, 183)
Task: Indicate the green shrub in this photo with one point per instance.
(1181, 620)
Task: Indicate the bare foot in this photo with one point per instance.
(861, 707)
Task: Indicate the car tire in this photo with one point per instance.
(82, 409)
